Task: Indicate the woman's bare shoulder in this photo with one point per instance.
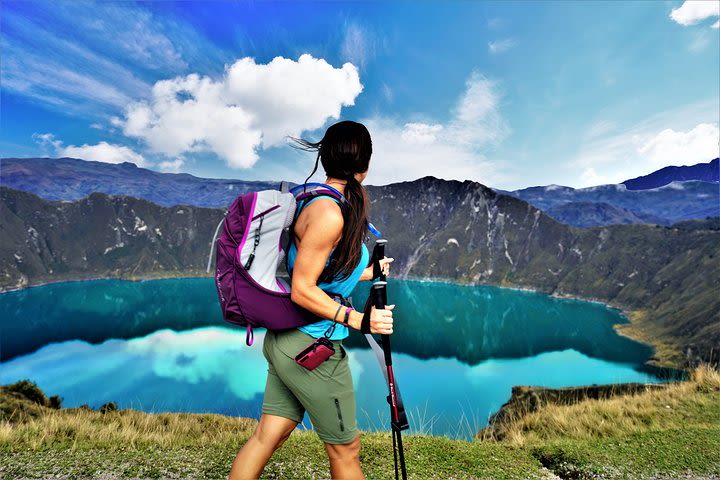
(324, 204)
(322, 214)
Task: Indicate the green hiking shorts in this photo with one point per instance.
(326, 393)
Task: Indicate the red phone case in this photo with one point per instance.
(315, 354)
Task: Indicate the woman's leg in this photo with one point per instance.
(328, 396)
(345, 460)
(269, 435)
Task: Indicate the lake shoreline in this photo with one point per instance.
(652, 363)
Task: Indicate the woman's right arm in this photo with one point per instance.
(322, 226)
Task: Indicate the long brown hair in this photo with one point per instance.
(345, 150)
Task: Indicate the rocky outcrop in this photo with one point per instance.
(525, 399)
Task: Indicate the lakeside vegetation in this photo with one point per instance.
(670, 432)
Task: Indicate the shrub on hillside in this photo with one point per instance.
(29, 390)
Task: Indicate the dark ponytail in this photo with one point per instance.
(344, 151)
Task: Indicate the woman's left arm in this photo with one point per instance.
(366, 274)
(384, 264)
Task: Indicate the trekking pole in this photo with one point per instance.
(398, 420)
(398, 417)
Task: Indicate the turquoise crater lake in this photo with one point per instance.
(161, 345)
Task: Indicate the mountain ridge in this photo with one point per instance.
(707, 172)
(463, 232)
(71, 179)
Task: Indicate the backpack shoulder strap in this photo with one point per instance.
(309, 190)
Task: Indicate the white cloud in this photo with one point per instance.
(251, 107)
(500, 46)
(172, 165)
(68, 74)
(421, 133)
(694, 11)
(476, 117)
(673, 137)
(590, 177)
(134, 31)
(450, 150)
(30, 75)
(101, 152)
(47, 141)
(89, 59)
(358, 45)
(701, 144)
(104, 152)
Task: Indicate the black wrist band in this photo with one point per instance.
(337, 311)
(347, 316)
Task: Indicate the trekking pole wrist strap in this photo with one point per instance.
(365, 324)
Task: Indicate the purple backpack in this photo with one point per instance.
(249, 251)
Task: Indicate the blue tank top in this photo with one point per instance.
(343, 288)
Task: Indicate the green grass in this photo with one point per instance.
(302, 456)
(678, 453)
(669, 433)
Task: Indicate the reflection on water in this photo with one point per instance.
(475, 323)
(211, 370)
(161, 345)
(470, 323)
(100, 309)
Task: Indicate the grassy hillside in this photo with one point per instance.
(666, 433)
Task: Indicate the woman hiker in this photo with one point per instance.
(323, 236)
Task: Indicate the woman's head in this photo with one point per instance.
(344, 152)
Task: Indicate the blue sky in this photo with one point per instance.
(510, 94)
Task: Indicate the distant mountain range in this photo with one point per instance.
(663, 197)
(615, 204)
(665, 278)
(706, 172)
(72, 179)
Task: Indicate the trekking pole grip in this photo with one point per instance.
(379, 295)
(378, 254)
(379, 292)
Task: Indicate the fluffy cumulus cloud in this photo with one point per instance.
(100, 152)
(701, 144)
(172, 165)
(695, 11)
(252, 107)
(612, 155)
(404, 151)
